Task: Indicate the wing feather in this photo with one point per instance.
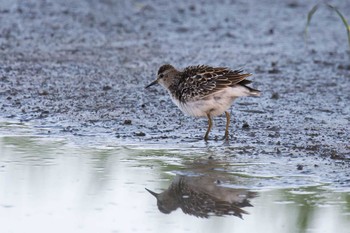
(201, 81)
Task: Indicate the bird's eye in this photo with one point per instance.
(161, 76)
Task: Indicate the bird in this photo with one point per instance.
(203, 196)
(205, 91)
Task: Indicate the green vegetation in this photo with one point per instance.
(315, 8)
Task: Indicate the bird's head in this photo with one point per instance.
(165, 76)
(166, 202)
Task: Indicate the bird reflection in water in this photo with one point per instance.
(203, 194)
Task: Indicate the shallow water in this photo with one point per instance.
(87, 184)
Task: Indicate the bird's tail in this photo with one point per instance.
(243, 90)
(248, 91)
(252, 91)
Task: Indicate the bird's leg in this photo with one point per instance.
(210, 123)
(227, 125)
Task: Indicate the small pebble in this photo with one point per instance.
(106, 88)
(245, 125)
(127, 122)
(275, 96)
(140, 134)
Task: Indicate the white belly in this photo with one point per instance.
(215, 104)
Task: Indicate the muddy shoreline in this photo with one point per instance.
(80, 69)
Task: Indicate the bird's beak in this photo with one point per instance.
(153, 193)
(152, 83)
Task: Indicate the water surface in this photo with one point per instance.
(62, 184)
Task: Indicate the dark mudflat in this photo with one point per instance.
(80, 68)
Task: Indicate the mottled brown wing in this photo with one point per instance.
(201, 81)
(201, 204)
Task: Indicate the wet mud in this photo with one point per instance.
(80, 68)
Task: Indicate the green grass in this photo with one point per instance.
(315, 8)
